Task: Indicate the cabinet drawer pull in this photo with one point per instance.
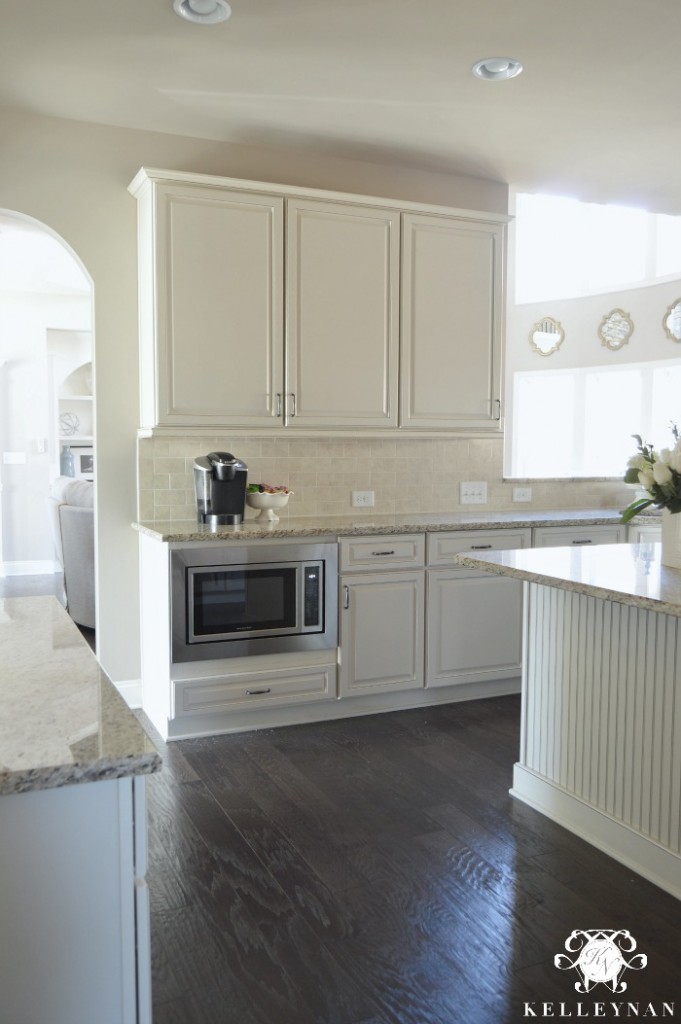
(293, 404)
(255, 693)
(383, 552)
(346, 596)
(481, 547)
(277, 408)
(588, 541)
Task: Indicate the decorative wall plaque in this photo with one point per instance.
(672, 321)
(546, 336)
(616, 329)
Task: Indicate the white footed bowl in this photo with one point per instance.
(267, 503)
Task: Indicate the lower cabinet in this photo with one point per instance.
(74, 905)
(648, 534)
(474, 619)
(382, 614)
(474, 628)
(382, 632)
(205, 695)
(410, 619)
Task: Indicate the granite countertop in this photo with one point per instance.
(61, 720)
(184, 530)
(626, 573)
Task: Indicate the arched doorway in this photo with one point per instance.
(46, 394)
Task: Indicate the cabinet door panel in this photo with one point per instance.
(474, 628)
(220, 314)
(644, 534)
(342, 315)
(382, 632)
(451, 323)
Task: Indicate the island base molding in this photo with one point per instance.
(646, 858)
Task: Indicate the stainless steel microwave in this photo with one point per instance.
(263, 598)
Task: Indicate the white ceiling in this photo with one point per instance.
(596, 112)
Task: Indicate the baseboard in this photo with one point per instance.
(658, 865)
(37, 567)
(131, 692)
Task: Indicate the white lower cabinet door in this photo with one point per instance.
(382, 632)
(474, 628)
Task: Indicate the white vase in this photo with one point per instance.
(671, 539)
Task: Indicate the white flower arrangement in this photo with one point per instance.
(658, 473)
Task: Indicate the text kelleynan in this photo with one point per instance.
(614, 1011)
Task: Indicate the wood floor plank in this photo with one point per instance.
(303, 828)
(313, 900)
(408, 973)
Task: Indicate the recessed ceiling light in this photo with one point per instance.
(496, 69)
(203, 12)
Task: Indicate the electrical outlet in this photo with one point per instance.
(362, 499)
(522, 494)
(474, 492)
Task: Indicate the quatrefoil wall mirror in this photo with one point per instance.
(672, 321)
(546, 336)
(616, 329)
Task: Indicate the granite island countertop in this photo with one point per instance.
(186, 530)
(625, 573)
(61, 719)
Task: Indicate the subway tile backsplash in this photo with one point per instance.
(407, 475)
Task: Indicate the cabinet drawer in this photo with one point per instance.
(443, 546)
(394, 551)
(560, 536)
(296, 686)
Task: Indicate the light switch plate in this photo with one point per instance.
(362, 499)
(522, 494)
(473, 492)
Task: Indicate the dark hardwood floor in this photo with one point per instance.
(376, 870)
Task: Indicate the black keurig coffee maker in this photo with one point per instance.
(220, 486)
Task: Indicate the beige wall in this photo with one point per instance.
(73, 177)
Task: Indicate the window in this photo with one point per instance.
(626, 247)
(580, 422)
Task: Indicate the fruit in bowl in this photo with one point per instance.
(267, 497)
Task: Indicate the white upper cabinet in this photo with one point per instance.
(451, 323)
(342, 342)
(211, 315)
(270, 306)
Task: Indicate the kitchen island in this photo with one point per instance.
(601, 698)
(74, 915)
